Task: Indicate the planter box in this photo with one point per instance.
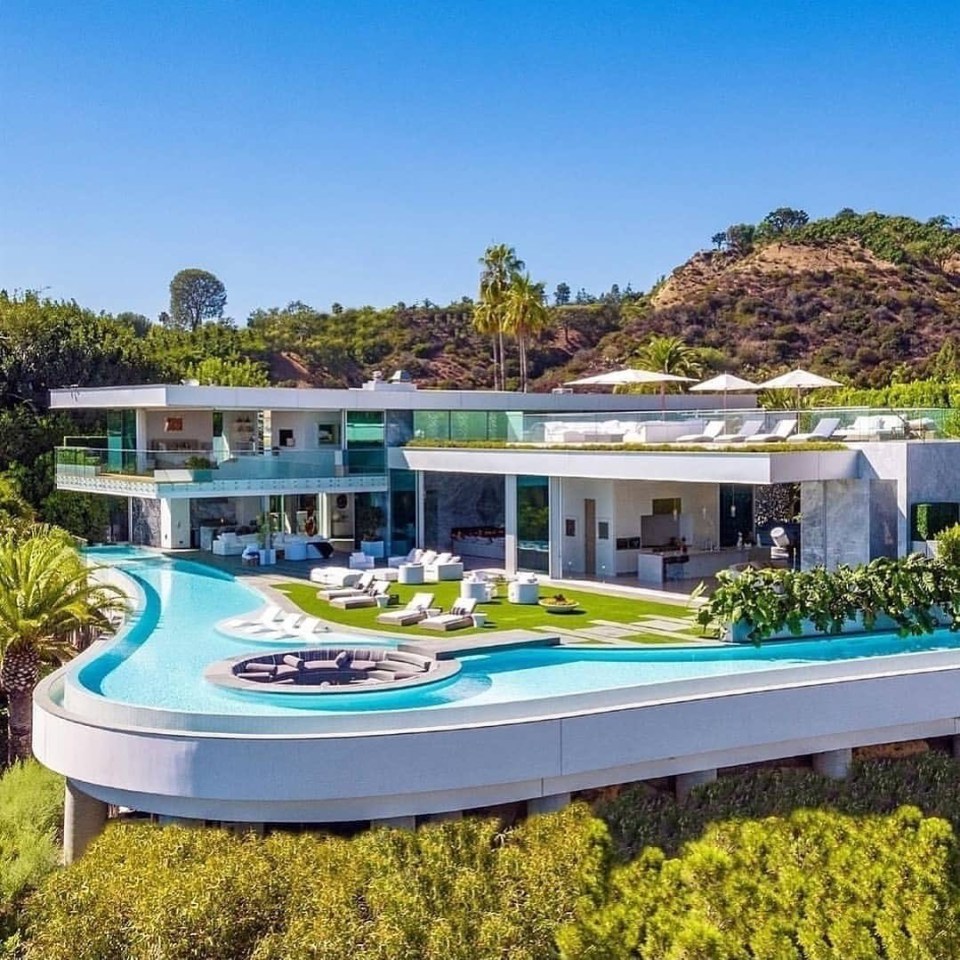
(737, 632)
(373, 548)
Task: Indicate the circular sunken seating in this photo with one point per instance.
(330, 670)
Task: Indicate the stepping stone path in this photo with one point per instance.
(609, 631)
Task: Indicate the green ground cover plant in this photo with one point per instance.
(705, 448)
(501, 614)
(762, 864)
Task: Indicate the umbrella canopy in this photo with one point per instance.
(628, 375)
(798, 380)
(724, 383)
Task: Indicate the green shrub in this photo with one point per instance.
(948, 546)
(928, 519)
(457, 891)
(31, 810)
(815, 885)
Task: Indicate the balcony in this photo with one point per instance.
(156, 474)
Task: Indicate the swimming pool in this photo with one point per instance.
(159, 659)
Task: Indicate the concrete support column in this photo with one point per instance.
(833, 763)
(555, 568)
(447, 816)
(83, 821)
(421, 494)
(685, 782)
(396, 823)
(510, 523)
(174, 523)
(548, 804)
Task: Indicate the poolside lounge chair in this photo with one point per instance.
(291, 623)
(334, 576)
(750, 428)
(310, 626)
(362, 587)
(413, 612)
(460, 616)
(824, 430)
(378, 588)
(268, 618)
(710, 432)
(779, 434)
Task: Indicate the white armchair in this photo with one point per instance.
(360, 561)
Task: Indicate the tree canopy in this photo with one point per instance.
(195, 296)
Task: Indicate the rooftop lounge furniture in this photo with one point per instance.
(378, 588)
(460, 616)
(824, 430)
(779, 434)
(334, 576)
(873, 427)
(710, 432)
(361, 588)
(750, 428)
(413, 612)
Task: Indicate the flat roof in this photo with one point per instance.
(186, 397)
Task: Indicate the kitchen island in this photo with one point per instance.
(656, 565)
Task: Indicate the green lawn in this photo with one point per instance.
(503, 615)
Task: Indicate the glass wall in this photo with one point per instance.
(403, 511)
(533, 524)
(365, 452)
(736, 513)
(460, 425)
(121, 440)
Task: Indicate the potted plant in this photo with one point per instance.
(268, 555)
(558, 603)
(370, 520)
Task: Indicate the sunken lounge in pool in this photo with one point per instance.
(330, 670)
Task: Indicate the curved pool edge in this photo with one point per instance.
(277, 775)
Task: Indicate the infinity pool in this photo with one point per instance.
(159, 658)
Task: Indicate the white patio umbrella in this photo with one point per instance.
(628, 375)
(617, 378)
(724, 383)
(798, 380)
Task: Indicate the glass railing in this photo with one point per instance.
(846, 424)
(171, 466)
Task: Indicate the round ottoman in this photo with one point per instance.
(410, 573)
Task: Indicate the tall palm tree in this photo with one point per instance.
(500, 262)
(46, 594)
(525, 315)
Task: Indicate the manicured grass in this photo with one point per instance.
(501, 614)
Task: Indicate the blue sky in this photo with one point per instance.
(367, 152)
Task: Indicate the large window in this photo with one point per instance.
(403, 511)
(533, 524)
(122, 440)
(365, 452)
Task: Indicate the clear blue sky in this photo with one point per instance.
(367, 152)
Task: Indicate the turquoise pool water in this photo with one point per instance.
(159, 660)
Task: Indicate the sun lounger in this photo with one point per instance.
(824, 430)
(779, 434)
(268, 619)
(460, 616)
(361, 589)
(379, 588)
(413, 612)
(749, 429)
(710, 432)
(310, 626)
(334, 576)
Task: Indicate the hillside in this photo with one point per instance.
(862, 297)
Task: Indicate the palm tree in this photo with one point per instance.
(46, 595)
(525, 315)
(669, 355)
(500, 262)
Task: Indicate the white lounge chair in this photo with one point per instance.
(710, 432)
(824, 430)
(750, 428)
(310, 626)
(779, 434)
(291, 623)
(268, 618)
(460, 616)
(334, 576)
(362, 587)
(413, 612)
(378, 588)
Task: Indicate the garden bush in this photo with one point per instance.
(455, 891)
(817, 884)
